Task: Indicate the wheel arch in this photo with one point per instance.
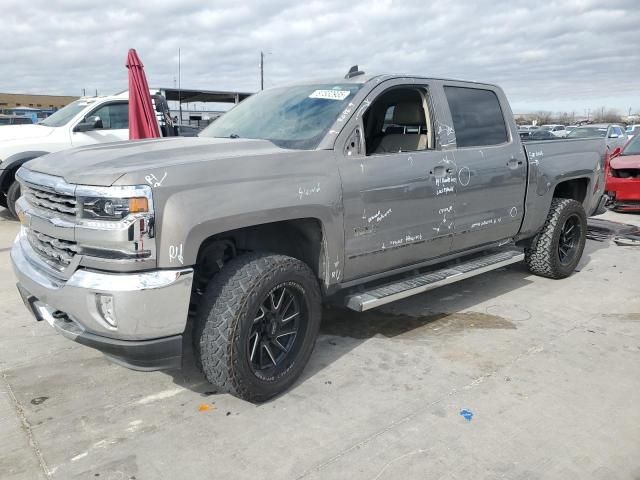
(574, 189)
(11, 165)
(303, 238)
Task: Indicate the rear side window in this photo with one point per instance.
(477, 117)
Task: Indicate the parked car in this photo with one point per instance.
(613, 133)
(14, 120)
(632, 130)
(362, 191)
(623, 178)
(187, 130)
(86, 121)
(557, 130)
(540, 135)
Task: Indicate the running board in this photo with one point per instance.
(390, 292)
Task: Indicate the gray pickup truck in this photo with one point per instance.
(360, 191)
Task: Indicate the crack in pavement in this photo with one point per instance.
(26, 426)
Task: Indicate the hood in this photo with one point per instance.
(19, 132)
(625, 161)
(103, 164)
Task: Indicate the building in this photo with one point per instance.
(41, 102)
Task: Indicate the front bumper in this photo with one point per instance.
(149, 308)
(624, 193)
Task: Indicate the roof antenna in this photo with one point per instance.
(353, 72)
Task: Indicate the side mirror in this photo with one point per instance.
(90, 123)
(354, 143)
(616, 152)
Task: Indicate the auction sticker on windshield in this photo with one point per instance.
(330, 94)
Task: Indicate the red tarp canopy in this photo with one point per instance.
(142, 117)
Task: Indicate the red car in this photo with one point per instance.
(623, 177)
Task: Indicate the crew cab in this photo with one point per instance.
(85, 121)
(357, 191)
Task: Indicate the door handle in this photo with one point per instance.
(440, 171)
(513, 163)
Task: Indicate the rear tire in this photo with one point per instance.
(556, 251)
(241, 343)
(12, 197)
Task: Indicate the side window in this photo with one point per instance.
(477, 117)
(114, 116)
(119, 114)
(398, 121)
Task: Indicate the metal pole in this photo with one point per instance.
(261, 70)
(179, 91)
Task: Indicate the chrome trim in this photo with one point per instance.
(363, 301)
(126, 244)
(46, 182)
(147, 305)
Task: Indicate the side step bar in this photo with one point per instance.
(390, 292)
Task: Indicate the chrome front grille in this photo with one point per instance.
(47, 200)
(57, 252)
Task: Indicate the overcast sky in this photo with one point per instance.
(548, 55)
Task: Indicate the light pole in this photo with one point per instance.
(179, 92)
(261, 70)
(262, 55)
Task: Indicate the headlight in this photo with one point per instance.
(113, 203)
(113, 208)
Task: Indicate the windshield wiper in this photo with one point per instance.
(234, 135)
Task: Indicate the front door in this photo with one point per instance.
(397, 193)
(491, 169)
(114, 117)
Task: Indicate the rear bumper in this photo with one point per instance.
(149, 309)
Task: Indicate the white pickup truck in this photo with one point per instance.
(86, 121)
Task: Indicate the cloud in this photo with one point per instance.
(569, 53)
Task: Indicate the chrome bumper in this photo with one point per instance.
(147, 305)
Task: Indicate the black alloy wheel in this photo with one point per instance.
(569, 240)
(273, 337)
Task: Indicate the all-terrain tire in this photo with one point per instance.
(226, 315)
(13, 193)
(543, 257)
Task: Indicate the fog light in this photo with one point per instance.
(106, 308)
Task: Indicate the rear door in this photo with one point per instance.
(490, 165)
(115, 125)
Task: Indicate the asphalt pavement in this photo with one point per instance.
(505, 375)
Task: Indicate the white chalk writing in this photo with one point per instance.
(175, 253)
(152, 180)
(378, 216)
(307, 191)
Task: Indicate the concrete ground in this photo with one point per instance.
(505, 375)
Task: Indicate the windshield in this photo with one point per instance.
(547, 127)
(633, 147)
(64, 115)
(292, 117)
(588, 132)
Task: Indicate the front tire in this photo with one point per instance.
(13, 193)
(556, 251)
(257, 325)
